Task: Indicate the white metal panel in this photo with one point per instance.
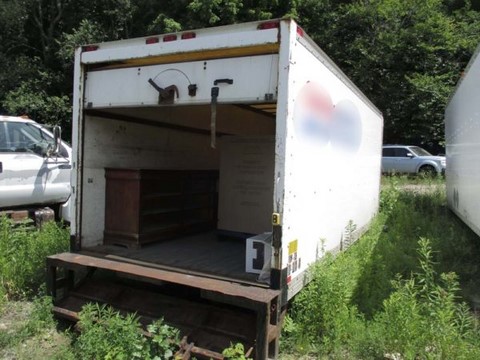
(93, 206)
(77, 120)
(462, 134)
(253, 77)
(283, 115)
(222, 38)
(246, 184)
(112, 143)
(29, 179)
(119, 144)
(332, 162)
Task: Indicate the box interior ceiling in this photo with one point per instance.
(251, 119)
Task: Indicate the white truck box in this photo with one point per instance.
(462, 137)
(295, 146)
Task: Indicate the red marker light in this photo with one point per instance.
(300, 31)
(168, 38)
(189, 35)
(269, 25)
(152, 40)
(89, 48)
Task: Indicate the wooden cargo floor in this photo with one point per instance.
(206, 253)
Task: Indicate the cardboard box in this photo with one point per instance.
(258, 252)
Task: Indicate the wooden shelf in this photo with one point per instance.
(143, 206)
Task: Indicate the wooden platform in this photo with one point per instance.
(256, 294)
(206, 254)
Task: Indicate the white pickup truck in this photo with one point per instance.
(34, 168)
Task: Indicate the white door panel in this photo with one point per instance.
(27, 177)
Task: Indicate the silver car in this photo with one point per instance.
(408, 159)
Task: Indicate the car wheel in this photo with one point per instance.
(427, 171)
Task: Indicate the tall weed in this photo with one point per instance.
(22, 256)
(383, 298)
(423, 319)
(105, 334)
(390, 195)
(322, 315)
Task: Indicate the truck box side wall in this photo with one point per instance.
(462, 133)
(332, 162)
(111, 143)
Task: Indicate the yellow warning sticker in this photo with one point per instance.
(292, 247)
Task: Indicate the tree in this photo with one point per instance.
(406, 56)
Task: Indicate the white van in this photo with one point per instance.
(34, 167)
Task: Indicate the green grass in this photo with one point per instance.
(397, 291)
(28, 329)
(401, 180)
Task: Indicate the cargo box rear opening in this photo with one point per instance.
(156, 193)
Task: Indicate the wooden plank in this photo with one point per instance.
(205, 254)
(183, 271)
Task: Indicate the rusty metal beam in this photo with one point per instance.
(66, 314)
(71, 260)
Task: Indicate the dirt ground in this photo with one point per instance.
(14, 345)
(422, 188)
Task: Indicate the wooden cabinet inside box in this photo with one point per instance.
(143, 206)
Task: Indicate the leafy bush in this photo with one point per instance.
(235, 352)
(164, 339)
(108, 335)
(22, 256)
